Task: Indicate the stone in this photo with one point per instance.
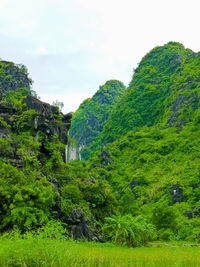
(176, 193)
(47, 121)
(105, 158)
(82, 227)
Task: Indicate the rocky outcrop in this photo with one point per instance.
(176, 193)
(48, 119)
(82, 227)
(105, 158)
(6, 112)
(13, 76)
(182, 101)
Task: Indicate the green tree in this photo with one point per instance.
(128, 230)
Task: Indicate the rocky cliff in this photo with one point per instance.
(13, 76)
(35, 183)
(45, 121)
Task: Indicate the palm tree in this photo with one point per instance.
(128, 230)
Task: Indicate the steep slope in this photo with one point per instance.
(89, 119)
(155, 173)
(153, 163)
(163, 90)
(13, 76)
(36, 185)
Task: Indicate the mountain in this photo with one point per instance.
(36, 185)
(141, 146)
(151, 158)
(164, 89)
(88, 121)
(13, 76)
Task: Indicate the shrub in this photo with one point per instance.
(128, 230)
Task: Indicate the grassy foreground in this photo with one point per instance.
(47, 252)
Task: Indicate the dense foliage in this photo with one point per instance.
(89, 119)
(153, 163)
(163, 90)
(36, 185)
(13, 76)
(142, 176)
(127, 230)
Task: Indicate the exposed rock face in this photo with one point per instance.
(6, 111)
(176, 193)
(46, 120)
(105, 158)
(13, 76)
(181, 102)
(133, 184)
(81, 226)
(71, 153)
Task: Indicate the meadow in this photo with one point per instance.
(59, 253)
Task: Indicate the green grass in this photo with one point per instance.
(47, 252)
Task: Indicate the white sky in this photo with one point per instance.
(72, 46)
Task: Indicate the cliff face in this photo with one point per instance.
(16, 104)
(151, 154)
(47, 119)
(35, 183)
(44, 122)
(13, 76)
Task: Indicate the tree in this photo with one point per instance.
(58, 104)
(128, 230)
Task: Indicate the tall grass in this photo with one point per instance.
(60, 253)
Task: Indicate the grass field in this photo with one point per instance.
(47, 252)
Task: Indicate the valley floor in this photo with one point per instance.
(59, 253)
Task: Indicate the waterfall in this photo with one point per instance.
(66, 153)
(70, 151)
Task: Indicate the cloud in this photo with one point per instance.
(39, 51)
(75, 46)
(71, 101)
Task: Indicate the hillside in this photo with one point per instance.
(88, 121)
(151, 159)
(36, 186)
(141, 176)
(164, 89)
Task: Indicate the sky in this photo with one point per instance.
(71, 47)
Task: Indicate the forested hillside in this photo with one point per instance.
(36, 186)
(138, 177)
(164, 89)
(89, 119)
(151, 159)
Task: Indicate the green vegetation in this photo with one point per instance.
(163, 90)
(151, 159)
(89, 119)
(155, 173)
(128, 230)
(36, 185)
(39, 251)
(13, 76)
(139, 181)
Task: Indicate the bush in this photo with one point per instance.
(128, 230)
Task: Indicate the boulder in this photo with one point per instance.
(176, 193)
(82, 227)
